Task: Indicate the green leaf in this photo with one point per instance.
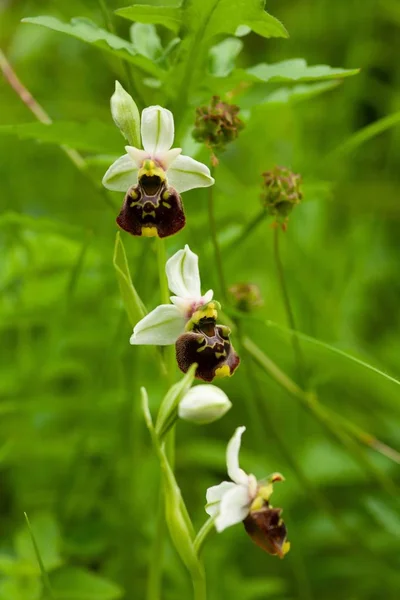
(297, 93)
(131, 299)
(79, 584)
(296, 69)
(146, 41)
(178, 520)
(169, 16)
(167, 412)
(213, 17)
(87, 31)
(223, 57)
(93, 136)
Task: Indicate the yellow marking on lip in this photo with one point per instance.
(166, 204)
(223, 371)
(149, 232)
(151, 169)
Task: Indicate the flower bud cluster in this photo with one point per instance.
(281, 192)
(217, 124)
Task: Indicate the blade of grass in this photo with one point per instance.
(45, 577)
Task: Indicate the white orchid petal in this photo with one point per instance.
(208, 296)
(232, 458)
(233, 508)
(214, 495)
(121, 175)
(157, 129)
(183, 304)
(185, 173)
(167, 158)
(162, 326)
(183, 275)
(137, 156)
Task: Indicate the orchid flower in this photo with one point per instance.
(189, 322)
(154, 177)
(244, 499)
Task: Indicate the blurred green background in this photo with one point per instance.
(74, 452)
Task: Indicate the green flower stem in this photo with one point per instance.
(203, 534)
(288, 308)
(214, 239)
(156, 564)
(179, 523)
(41, 115)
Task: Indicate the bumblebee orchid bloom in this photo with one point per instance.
(153, 177)
(189, 322)
(244, 499)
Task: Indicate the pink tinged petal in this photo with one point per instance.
(234, 507)
(121, 175)
(157, 129)
(137, 156)
(183, 304)
(185, 173)
(160, 327)
(183, 275)
(232, 458)
(167, 158)
(214, 495)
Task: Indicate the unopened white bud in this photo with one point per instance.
(204, 404)
(126, 115)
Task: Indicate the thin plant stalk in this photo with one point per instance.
(203, 534)
(154, 583)
(288, 307)
(326, 417)
(214, 239)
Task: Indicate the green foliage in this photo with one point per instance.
(91, 136)
(75, 453)
(89, 32)
(168, 16)
(297, 70)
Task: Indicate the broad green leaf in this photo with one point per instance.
(92, 136)
(146, 41)
(297, 93)
(213, 17)
(223, 56)
(87, 31)
(73, 583)
(296, 69)
(132, 302)
(169, 16)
